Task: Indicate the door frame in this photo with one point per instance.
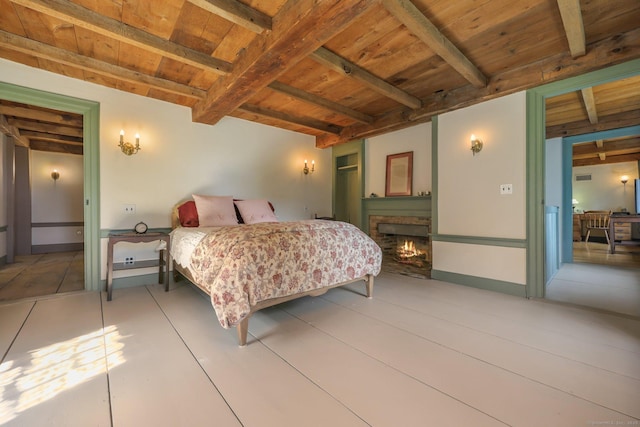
(90, 111)
(536, 139)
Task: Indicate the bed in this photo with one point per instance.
(258, 261)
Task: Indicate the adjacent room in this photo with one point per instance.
(335, 212)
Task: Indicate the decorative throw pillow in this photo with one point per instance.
(255, 211)
(188, 214)
(215, 210)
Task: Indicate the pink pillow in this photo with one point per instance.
(215, 210)
(255, 211)
(188, 214)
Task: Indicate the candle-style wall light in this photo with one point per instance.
(306, 169)
(127, 147)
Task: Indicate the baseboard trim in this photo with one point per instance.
(59, 247)
(509, 288)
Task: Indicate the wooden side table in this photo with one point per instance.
(163, 262)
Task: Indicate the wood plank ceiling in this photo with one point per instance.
(335, 69)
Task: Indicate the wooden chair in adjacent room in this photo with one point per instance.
(597, 220)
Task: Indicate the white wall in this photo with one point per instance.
(179, 157)
(605, 191)
(56, 201)
(417, 139)
(469, 200)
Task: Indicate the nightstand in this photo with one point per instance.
(163, 262)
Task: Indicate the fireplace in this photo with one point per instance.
(405, 244)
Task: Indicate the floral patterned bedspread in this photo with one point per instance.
(241, 266)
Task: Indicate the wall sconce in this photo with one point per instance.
(624, 179)
(55, 174)
(476, 144)
(127, 147)
(306, 169)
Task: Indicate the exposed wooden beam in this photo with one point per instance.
(13, 132)
(55, 147)
(600, 143)
(299, 28)
(614, 121)
(40, 50)
(602, 156)
(60, 139)
(238, 13)
(90, 20)
(336, 63)
(45, 116)
(590, 104)
(610, 148)
(278, 115)
(610, 51)
(573, 26)
(47, 127)
(609, 160)
(424, 29)
(320, 102)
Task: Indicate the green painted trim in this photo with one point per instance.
(104, 232)
(536, 138)
(395, 206)
(567, 196)
(4, 228)
(353, 147)
(479, 240)
(509, 288)
(603, 134)
(90, 111)
(434, 174)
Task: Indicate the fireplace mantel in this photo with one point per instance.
(419, 206)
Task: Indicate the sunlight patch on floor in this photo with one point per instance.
(56, 368)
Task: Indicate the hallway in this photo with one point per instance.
(44, 274)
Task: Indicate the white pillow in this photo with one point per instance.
(215, 210)
(255, 211)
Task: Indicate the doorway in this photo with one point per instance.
(536, 137)
(90, 113)
(348, 184)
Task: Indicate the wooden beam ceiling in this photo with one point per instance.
(422, 28)
(336, 63)
(573, 26)
(62, 56)
(238, 13)
(609, 51)
(299, 28)
(100, 24)
(590, 104)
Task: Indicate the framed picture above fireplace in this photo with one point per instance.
(399, 174)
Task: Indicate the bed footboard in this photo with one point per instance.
(243, 326)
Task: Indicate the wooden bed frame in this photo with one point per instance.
(243, 326)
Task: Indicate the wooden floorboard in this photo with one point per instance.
(421, 352)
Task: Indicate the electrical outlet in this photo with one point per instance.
(128, 260)
(506, 189)
(129, 209)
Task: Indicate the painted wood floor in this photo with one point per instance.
(420, 353)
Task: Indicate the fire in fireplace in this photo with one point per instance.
(405, 244)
